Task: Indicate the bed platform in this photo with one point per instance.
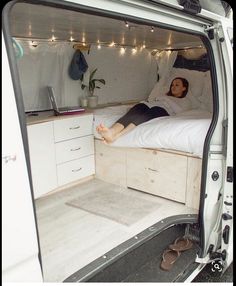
(169, 174)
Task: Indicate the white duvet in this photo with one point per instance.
(183, 132)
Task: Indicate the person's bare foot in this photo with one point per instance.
(105, 132)
(99, 128)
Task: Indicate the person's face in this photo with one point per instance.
(177, 88)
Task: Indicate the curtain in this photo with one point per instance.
(44, 64)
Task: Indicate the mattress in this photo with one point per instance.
(185, 132)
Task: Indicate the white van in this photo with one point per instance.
(156, 205)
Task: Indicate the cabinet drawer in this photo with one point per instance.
(158, 173)
(75, 170)
(69, 128)
(74, 149)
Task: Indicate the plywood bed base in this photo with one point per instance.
(169, 174)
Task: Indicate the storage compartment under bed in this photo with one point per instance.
(172, 175)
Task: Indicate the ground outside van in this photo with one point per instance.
(155, 205)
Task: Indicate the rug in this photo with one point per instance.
(120, 206)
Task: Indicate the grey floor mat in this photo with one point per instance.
(117, 205)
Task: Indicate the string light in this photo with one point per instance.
(134, 50)
(122, 47)
(122, 50)
(112, 44)
(152, 30)
(127, 24)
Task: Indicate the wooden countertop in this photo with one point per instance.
(45, 116)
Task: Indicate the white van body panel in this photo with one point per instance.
(19, 237)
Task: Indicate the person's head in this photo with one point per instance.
(178, 87)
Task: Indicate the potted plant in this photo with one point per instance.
(92, 84)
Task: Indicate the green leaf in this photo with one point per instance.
(92, 85)
(92, 74)
(92, 82)
(101, 81)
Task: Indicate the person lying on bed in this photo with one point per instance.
(173, 102)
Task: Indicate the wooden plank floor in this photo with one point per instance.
(70, 238)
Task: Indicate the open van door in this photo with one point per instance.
(20, 257)
(217, 204)
(227, 209)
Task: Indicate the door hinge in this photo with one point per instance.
(211, 30)
(230, 174)
(226, 216)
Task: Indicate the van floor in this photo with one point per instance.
(72, 237)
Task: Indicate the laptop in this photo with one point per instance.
(63, 110)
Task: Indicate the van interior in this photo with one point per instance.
(138, 193)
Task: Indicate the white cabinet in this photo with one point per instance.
(61, 152)
(74, 145)
(42, 158)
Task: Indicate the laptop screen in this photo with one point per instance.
(52, 98)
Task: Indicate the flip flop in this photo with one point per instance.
(181, 244)
(169, 257)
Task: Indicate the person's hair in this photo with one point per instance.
(185, 84)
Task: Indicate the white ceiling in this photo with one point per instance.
(42, 22)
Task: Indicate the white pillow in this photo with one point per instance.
(157, 91)
(195, 79)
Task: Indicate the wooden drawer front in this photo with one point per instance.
(110, 164)
(193, 183)
(75, 170)
(74, 149)
(69, 128)
(158, 173)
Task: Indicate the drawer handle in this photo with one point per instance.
(75, 149)
(76, 127)
(150, 169)
(77, 170)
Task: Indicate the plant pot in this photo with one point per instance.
(92, 101)
(83, 101)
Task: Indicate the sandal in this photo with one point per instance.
(181, 244)
(169, 257)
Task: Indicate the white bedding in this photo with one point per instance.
(183, 132)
